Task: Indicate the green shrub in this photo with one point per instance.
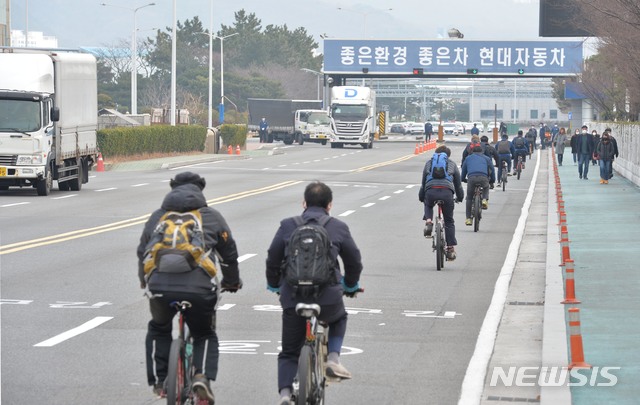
(234, 134)
(127, 141)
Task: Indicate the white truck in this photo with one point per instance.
(312, 126)
(281, 116)
(353, 116)
(48, 118)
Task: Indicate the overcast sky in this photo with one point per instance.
(86, 23)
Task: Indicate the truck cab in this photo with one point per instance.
(312, 126)
(353, 116)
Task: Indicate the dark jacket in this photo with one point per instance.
(605, 150)
(512, 149)
(587, 140)
(188, 197)
(342, 244)
(574, 145)
(490, 151)
(525, 145)
(455, 185)
(477, 164)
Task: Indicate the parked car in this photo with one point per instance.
(416, 128)
(492, 125)
(397, 128)
(449, 128)
(459, 128)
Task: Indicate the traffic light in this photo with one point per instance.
(472, 71)
(520, 71)
(418, 71)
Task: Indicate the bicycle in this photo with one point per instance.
(181, 370)
(505, 175)
(476, 208)
(439, 242)
(311, 378)
(519, 166)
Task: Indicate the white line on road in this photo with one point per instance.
(347, 213)
(95, 322)
(140, 185)
(246, 256)
(14, 204)
(65, 196)
(386, 197)
(367, 205)
(106, 189)
(398, 191)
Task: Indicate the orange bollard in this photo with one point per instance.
(570, 284)
(237, 149)
(230, 150)
(564, 243)
(417, 151)
(564, 233)
(100, 167)
(575, 340)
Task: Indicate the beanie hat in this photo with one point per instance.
(188, 178)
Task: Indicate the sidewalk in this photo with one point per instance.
(603, 222)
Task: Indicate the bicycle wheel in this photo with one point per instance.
(305, 379)
(519, 170)
(175, 381)
(477, 209)
(438, 240)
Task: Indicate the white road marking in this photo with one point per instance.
(106, 189)
(65, 196)
(367, 205)
(15, 204)
(16, 302)
(95, 322)
(398, 191)
(347, 213)
(246, 256)
(140, 185)
(386, 197)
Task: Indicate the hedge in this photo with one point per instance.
(234, 134)
(127, 141)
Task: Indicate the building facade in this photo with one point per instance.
(5, 23)
(36, 39)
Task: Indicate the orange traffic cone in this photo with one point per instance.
(100, 167)
(230, 150)
(575, 340)
(570, 284)
(237, 149)
(424, 146)
(417, 151)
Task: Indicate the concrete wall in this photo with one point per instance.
(628, 138)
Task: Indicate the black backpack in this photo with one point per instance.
(308, 266)
(518, 142)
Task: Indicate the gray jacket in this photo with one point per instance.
(560, 143)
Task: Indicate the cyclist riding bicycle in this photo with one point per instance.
(434, 188)
(477, 170)
(317, 204)
(505, 150)
(175, 279)
(521, 146)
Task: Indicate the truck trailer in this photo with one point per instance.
(281, 117)
(48, 118)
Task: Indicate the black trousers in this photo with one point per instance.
(201, 321)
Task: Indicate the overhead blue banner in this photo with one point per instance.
(452, 56)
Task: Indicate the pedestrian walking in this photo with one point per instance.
(596, 140)
(585, 148)
(428, 131)
(559, 144)
(574, 146)
(614, 142)
(605, 153)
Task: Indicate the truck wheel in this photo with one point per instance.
(300, 139)
(288, 141)
(364, 145)
(336, 145)
(324, 142)
(43, 186)
(63, 186)
(76, 184)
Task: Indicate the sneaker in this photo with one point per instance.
(337, 370)
(451, 254)
(515, 172)
(611, 176)
(159, 390)
(586, 178)
(285, 401)
(606, 182)
(485, 204)
(428, 229)
(468, 222)
(202, 389)
(580, 176)
(509, 174)
(601, 181)
(522, 165)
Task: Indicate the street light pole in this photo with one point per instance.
(173, 66)
(134, 55)
(221, 107)
(210, 103)
(318, 74)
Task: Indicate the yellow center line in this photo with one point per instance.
(81, 233)
(382, 164)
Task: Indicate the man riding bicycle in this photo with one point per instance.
(505, 150)
(479, 169)
(174, 278)
(317, 204)
(521, 149)
(435, 188)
